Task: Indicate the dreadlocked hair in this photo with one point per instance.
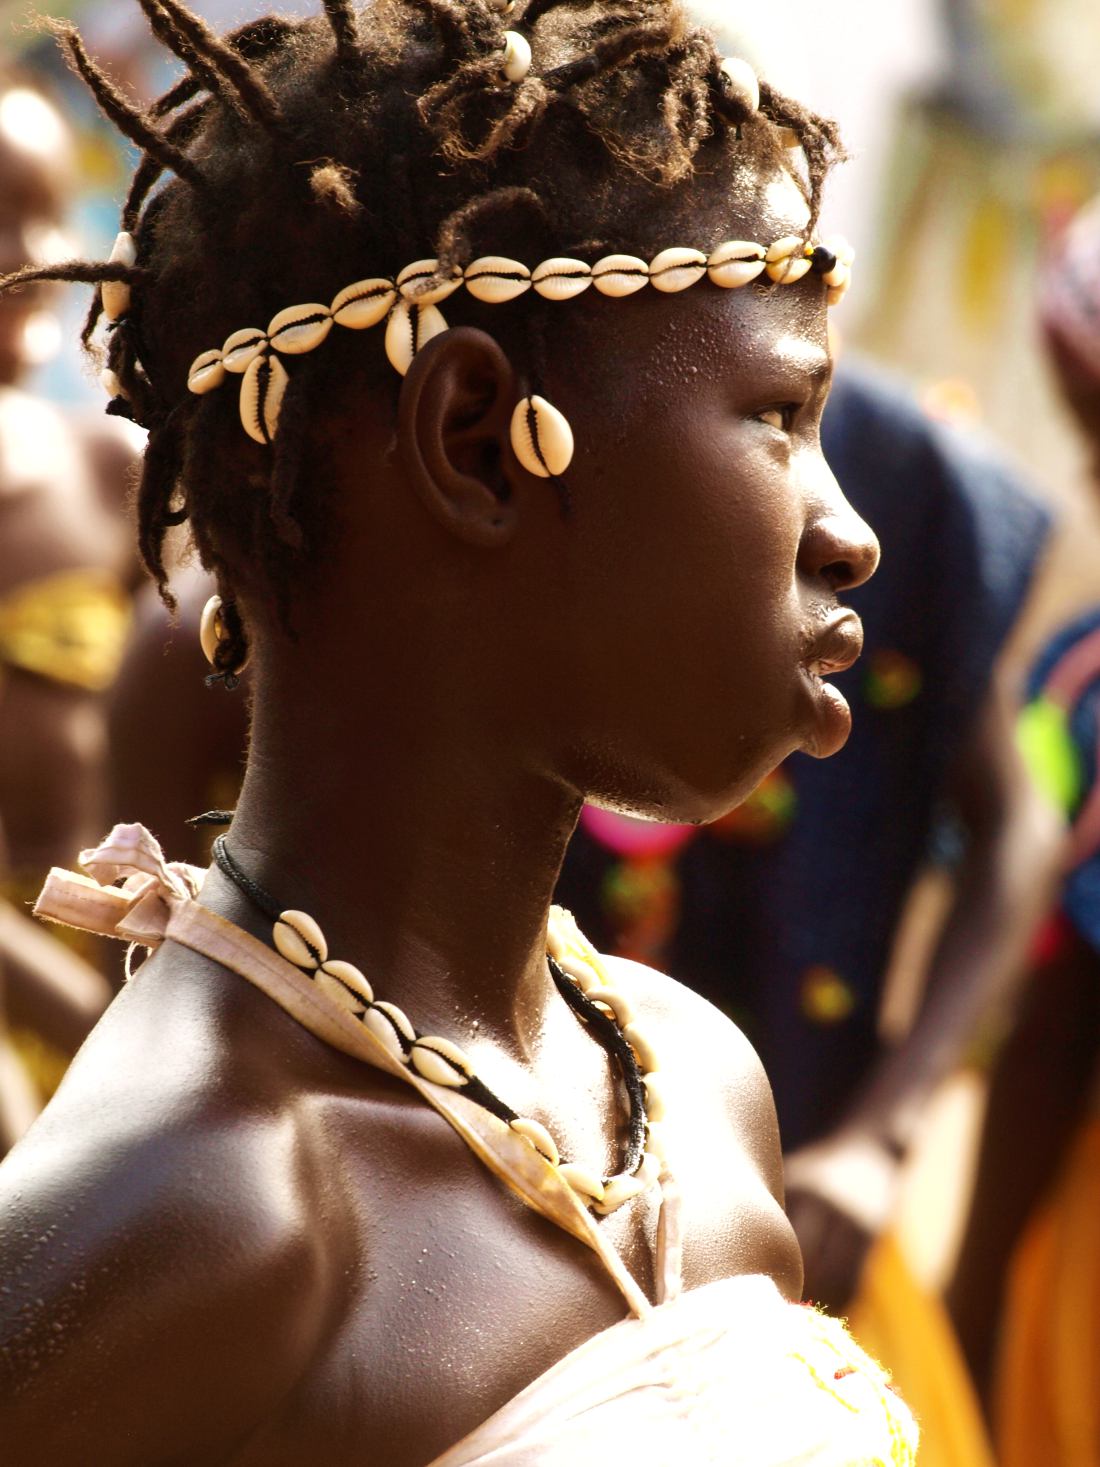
(305, 154)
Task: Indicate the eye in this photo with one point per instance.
(781, 416)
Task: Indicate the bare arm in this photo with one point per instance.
(146, 1318)
(841, 1190)
(48, 988)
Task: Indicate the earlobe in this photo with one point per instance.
(453, 422)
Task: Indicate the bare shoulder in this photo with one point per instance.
(721, 1134)
(710, 1047)
(155, 1253)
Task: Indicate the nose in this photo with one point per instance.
(838, 545)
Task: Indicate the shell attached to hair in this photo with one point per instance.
(262, 391)
(299, 329)
(516, 62)
(620, 275)
(242, 348)
(496, 279)
(677, 268)
(561, 278)
(210, 629)
(788, 259)
(541, 437)
(206, 372)
(736, 262)
(115, 294)
(441, 1062)
(741, 82)
(414, 275)
(299, 938)
(363, 304)
(409, 328)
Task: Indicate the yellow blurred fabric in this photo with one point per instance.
(898, 1321)
(1047, 1396)
(71, 628)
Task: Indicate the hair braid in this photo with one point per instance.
(196, 44)
(126, 118)
(345, 29)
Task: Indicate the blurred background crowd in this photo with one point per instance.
(910, 932)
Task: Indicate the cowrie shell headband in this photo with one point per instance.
(409, 304)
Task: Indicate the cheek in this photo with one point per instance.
(689, 548)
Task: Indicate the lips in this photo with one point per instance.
(837, 647)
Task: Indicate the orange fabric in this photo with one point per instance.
(899, 1322)
(1047, 1397)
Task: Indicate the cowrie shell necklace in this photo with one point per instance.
(578, 976)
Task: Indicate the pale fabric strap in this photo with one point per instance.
(149, 910)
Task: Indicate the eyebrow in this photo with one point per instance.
(790, 351)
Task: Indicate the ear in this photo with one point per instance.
(453, 421)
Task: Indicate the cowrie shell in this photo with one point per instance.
(390, 1025)
(539, 1137)
(790, 244)
(619, 1190)
(621, 1008)
(496, 279)
(741, 82)
(441, 1062)
(676, 269)
(210, 628)
(300, 939)
(115, 294)
(655, 1105)
(640, 1042)
(620, 275)
(650, 1169)
(561, 278)
(582, 1181)
(409, 328)
(124, 250)
(116, 297)
(347, 975)
(299, 328)
(242, 348)
(541, 437)
(110, 383)
(836, 294)
(517, 56)
(586, 978)
(350, 1002)
(790, 269)
(206, 372)
(262, 391)
(736, 263)
(363, 304)
(420, 270)
(839, 275)
(655, 1141)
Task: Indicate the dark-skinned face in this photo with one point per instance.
(708, 541)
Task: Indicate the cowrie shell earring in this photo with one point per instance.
(741, 82)
(542, 438)
(212, 634)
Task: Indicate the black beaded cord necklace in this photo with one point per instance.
(604, 1025)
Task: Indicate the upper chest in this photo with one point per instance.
(451, 1295)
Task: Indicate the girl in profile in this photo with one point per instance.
(458, 324)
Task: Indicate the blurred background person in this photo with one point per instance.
(1035, 1217)
(65, 575)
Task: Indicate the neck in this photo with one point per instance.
(428, 858)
